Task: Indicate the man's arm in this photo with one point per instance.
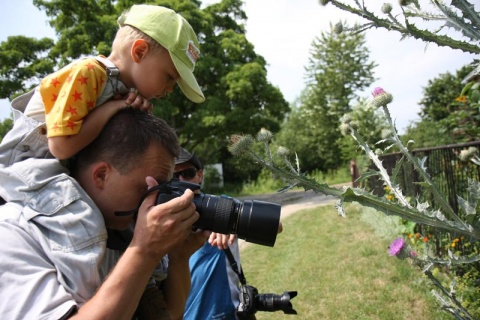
(158, 230)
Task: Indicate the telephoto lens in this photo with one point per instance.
(251, 220)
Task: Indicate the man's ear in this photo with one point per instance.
(100, 173)
(140, 48)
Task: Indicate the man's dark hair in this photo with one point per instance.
(124, 139)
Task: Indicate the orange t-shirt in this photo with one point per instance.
(70, 94)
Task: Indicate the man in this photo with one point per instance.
(53, 246)
(215, 286)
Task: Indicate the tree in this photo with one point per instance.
(234, 78)
(23, 62)
(439, 96)
(338, 69)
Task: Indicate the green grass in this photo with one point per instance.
(341, 270)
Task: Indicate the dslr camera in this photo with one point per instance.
(251, 302)
(252, 220)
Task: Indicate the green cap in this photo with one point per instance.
(176, 35)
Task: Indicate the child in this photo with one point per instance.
(154, 49)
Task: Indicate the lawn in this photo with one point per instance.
(341, 270)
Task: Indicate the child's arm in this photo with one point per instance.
(63, 147)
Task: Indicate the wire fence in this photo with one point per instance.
(448, 172)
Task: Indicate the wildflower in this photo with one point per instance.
(410, 236)
(417, 235)
(453, 245)
(386, 8)
(380, 98)
(240, 144)
(390, 197)
(399, 249)
(387, 189)
(425, 239)
(396, 246)
(264, 135)
(461, 99)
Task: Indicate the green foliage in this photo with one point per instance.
(5, 126)
(425, 134)
(339, 67)
(23, 62)
(439, 96)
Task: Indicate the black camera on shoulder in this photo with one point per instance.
(251, 302)
(252, 220)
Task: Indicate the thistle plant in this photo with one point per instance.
(460, 16)
(440, 216)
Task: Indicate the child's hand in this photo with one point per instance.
(137, 101)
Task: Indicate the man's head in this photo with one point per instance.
(188, 167)
(161, 28)
(112, 169)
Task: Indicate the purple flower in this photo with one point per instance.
(378, 91)
(396, 247)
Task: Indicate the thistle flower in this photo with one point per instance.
(399, 249)
(380, 98)
(386, 8)
(240, 144)
(264, 135)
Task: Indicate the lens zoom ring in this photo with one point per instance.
(222, 216)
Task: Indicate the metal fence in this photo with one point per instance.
(448, 172)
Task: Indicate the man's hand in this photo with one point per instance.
(160, 228)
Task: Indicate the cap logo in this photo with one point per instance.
(192, 52)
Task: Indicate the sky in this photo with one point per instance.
(282, 31)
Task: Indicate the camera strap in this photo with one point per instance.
(234, 265)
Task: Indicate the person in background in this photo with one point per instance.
(54, 245)
(215, 286)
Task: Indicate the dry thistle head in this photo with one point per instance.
(240, 143)
(264, 135)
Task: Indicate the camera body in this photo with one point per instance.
(252, 220)
(251, 302)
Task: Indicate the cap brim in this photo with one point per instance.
(187, 81)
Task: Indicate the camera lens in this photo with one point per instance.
(275, 302)
(251, 220)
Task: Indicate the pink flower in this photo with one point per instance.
(396, 247)
(378, 91)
